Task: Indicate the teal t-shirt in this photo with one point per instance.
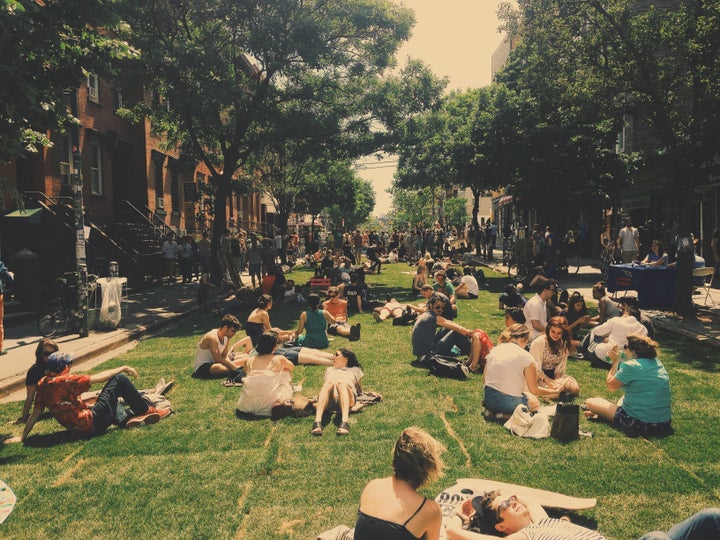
(315, 336)
(647, 389)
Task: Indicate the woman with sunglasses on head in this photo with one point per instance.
(45, 348)
(341, 387)
(645, 407)
(391, 507)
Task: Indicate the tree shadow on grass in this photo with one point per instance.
(48, 440)
(690, 354)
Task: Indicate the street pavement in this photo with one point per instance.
(148, 310)
(144, 312)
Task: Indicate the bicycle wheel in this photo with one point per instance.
(573, 264)
(518, 272)
(50, 318)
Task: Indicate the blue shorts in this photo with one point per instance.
(624, 421)
(497, 401)
(291, 353)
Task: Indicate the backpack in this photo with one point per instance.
(448, 367)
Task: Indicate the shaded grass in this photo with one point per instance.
(203, 473)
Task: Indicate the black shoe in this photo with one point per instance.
(355, 332)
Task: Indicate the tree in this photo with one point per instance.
(456, 212)
(226, 68)
(47, 49)
(604, 63)
(362, 204)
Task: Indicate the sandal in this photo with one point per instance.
(317, 429)
(344, 429)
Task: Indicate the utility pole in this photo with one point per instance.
(80, 258)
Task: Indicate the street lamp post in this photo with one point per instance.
(80, 258)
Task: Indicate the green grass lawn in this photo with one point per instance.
(203, 473)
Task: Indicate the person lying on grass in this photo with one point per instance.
(59, 391)
(211, 355)
(45, 348)
(341, 387)
(496, 514)
(391, 507)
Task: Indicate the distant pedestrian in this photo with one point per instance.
(6, 279)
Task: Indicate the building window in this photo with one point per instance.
(95, 153)
(93, 82)
(118, 98)
(620, 142)
(66, 161)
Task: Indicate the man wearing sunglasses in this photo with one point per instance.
(495, 514)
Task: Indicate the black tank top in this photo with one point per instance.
(372, 528)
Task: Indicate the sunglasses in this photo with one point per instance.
(47, 353)
(505, 505)
(338, 353)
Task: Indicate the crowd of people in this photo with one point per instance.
(527, 364)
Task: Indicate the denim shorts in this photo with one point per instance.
(291, 353)
(497, 401)
(626, 422)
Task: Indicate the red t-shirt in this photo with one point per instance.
(338, 310)
(61, 395)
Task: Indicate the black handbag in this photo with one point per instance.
(566, 424)
(448, 367)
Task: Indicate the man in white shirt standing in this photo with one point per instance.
(535, 310)
(628, 241)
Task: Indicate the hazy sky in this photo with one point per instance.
(456, 38)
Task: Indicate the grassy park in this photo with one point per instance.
(203, 473)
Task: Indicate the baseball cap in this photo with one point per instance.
(58, 361)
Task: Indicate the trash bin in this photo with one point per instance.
(28, 278)
(111, 291)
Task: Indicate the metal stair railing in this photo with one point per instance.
(145, 226)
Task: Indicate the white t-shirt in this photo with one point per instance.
(505, 370)
(628, 237)
(535, 310)
(471, 284)
(617, 330)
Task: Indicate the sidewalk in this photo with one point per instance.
(144, 312)
(704, 327)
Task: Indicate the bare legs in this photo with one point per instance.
(600, 408)
(314, 357)
(334, 393)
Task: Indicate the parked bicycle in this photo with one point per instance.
(61, 313)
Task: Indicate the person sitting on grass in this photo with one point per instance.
(514, 316)
(268, 379)
(645, 407)
(340, 388)
(211, 354)
(512, 297)
(259, 321)
(391, 507)
(60, 392)
(510, 369)
(425, 342)
(44, 349)
(337, 307)
(420, 278)
(468, 287)
(551, 352)
(576, 314)
(313, 322)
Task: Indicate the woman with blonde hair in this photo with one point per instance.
(509, 370)
(391, 507)
(645, 407)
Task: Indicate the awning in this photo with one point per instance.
(507, 199)
(33, 215)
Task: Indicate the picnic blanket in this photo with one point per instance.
(465, 488)
(7, 501)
